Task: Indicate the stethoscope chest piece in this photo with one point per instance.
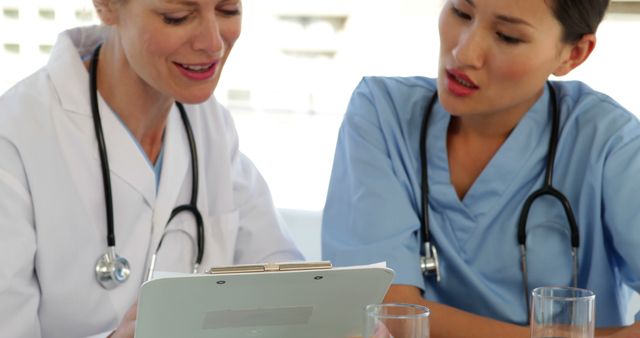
(111, 269)
(429, 263)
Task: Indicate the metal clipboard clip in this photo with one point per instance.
(269, 267)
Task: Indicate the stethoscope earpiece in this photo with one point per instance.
(111, 269)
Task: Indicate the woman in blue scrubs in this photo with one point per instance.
(487, 147)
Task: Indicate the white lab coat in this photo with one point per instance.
(52, 209)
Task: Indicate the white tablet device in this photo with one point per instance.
(326, 303)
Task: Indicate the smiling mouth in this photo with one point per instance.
(197, 68)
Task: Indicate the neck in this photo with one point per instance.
(490, 128)
(473, 140)
(470, 147)
(494, 125)
(143, 109)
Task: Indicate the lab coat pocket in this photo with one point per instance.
(221, 232)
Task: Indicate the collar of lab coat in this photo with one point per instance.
(65, 63)
(71, 82)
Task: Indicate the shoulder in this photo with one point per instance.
(24, 103)
(595, 115)
(396, 87)
(385, 98)
(61, 84)
(595, 124)
(581, 100)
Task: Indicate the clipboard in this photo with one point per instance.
(299, 300)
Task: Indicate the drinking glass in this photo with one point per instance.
(396, 321)
(562, 312)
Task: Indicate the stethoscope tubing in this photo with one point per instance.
(546, 189)
(102, 148)
(191, 207)
(424, 175)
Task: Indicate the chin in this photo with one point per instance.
(451, 104)
(194, 96)
(193, 100)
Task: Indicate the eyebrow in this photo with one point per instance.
(183, 2)
(505, 18)
(513, 20)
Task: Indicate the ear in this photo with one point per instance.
(107, 11)
(575, 54)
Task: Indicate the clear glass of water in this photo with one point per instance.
(396, 321)
(562, 312)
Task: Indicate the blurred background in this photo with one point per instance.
(290, 76)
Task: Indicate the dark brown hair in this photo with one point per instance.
(578, 17)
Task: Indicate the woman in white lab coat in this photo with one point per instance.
(53, 216)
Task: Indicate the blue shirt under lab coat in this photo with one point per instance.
(373, 206)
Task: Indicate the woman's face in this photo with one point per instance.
(495, 55)
(178, 47)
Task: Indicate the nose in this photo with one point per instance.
(470, 49)
(207, 38)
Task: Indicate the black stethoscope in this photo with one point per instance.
(111, 269)
(429, 263)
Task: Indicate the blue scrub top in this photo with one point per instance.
(373, 206)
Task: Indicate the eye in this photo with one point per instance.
(234, 12)
(229, 10)
(508, 39)
(174, 20)
(462, 15)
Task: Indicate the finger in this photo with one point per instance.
(132, 312)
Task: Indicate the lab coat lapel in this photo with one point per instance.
(177, 161)
(72, 86)
(125, 160)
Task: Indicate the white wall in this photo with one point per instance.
(305, 229)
